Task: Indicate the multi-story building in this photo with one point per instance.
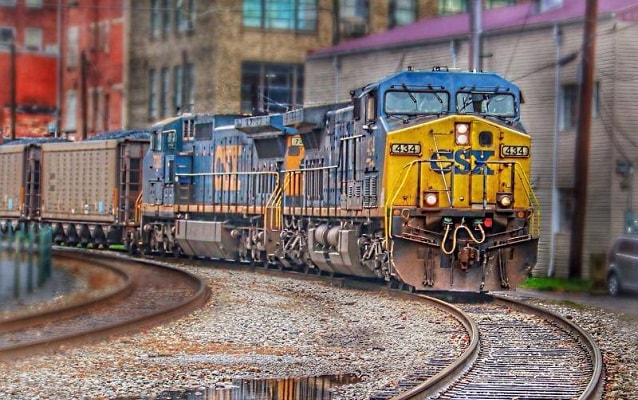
(228, 56)
(125, 64)
(93, 65)
(537, 45)
(28, 72)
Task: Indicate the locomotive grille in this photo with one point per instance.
(370, 191)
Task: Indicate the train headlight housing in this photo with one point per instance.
(504, 200)
(462, 133)
(431, 199)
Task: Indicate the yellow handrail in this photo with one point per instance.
(406, 169)
(273, 202)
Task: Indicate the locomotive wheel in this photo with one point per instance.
(177, 251)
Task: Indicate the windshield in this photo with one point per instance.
(416, 102)
(496, 104)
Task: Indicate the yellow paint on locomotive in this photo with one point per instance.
(426, 159)
(292, 162)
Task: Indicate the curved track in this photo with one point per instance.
(151, 293)
(524, 352)
(513, 350)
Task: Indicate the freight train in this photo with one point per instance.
(422, 179)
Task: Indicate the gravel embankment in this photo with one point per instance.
(617, 337)
(254, 326)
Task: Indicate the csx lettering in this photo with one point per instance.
(462, 161)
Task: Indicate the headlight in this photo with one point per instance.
(462, 133)
(431, 199)
(505, 200)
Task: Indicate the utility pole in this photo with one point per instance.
(12, 75)
(581, 164)
(58, 110)
(83, 94)
(476, 9)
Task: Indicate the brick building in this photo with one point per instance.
(93, 65)
(227, 56)
(30, 26)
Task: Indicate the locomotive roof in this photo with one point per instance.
(448, 80)
(125, 134)
(216, 119)
(33, 140)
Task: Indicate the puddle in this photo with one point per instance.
(306, 388)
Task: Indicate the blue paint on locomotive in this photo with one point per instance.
(204, 159)
(451, 81)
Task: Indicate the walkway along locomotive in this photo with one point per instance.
(422, 179)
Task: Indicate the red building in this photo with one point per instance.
(93, 67)
(30, 27)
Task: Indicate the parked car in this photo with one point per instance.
(622, 265)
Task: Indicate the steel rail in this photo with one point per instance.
(199, 295)
(595, 386)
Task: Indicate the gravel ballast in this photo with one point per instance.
(253, 326)
(260, 326)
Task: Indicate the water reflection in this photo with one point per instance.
(306, 388)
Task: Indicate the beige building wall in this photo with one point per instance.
(528, 57)
(219, 44)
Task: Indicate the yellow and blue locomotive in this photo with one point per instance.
(422, 179)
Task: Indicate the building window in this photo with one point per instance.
(104, 32)
(354, 16)
(70, 123)
(33, 3)
(178, 88)
(72, 49)
(189, 86)
(33, 39)
(185, 16)
(487, 4)
(270, 87)
(164, 86)
(401, 12)
(166, 18)
(460, 6)
(155, 19)
(100, 124)
(565, 209)
(152, 94)
(292, 15)
(569, 103)
(6, 35)
(9, 3)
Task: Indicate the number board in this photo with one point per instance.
(514, 151)
(405, 149)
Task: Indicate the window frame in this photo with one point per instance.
(29, 33)
(397, 8)
(570, 105)
(263, 93)
(268, 15)
(153, 105)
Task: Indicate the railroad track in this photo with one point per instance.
(513, 351)
(518, 352)
(150, 293)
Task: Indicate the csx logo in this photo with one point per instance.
(462, 160)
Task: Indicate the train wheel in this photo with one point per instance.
(177, 251)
